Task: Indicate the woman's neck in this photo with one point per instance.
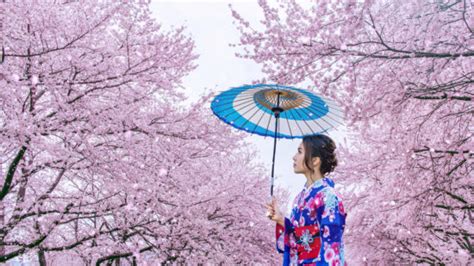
(311, 178)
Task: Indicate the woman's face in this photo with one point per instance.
(298, 160)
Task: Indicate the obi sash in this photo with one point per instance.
(308, 241)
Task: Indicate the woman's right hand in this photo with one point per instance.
(273, 212)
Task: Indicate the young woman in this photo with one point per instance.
(313, 233)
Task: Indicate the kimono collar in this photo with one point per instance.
(325, 181)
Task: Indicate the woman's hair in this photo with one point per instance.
(323, 147)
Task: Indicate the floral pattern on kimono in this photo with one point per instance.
(313, 235)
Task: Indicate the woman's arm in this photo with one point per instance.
(332, 218)
(281, 221)
(283, 226)
(282, 230)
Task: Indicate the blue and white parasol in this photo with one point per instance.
(277, 111)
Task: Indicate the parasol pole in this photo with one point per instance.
(276, 111)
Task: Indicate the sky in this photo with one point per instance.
(210, 24)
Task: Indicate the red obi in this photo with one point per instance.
(308, 242)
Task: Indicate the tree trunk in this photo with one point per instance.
(41, 258)
(2, 221)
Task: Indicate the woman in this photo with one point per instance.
(313, 233)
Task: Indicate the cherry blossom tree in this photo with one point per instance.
(101, 163)
(403, 72)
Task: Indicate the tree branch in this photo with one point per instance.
(11, 172)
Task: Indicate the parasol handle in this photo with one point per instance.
(276, 111)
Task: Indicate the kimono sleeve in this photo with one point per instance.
(332, 219)
(282, 235)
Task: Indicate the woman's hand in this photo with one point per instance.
(273, 212)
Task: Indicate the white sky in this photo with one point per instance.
(209, 23)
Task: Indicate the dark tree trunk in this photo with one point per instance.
(41, 258)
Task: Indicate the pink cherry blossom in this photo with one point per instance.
(100, 163)
(402, 71)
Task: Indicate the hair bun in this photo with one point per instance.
(332, 162)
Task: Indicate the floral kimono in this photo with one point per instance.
(313, 233)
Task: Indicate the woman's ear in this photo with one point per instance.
(316, 162)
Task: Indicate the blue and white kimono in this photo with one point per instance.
(313, 233)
